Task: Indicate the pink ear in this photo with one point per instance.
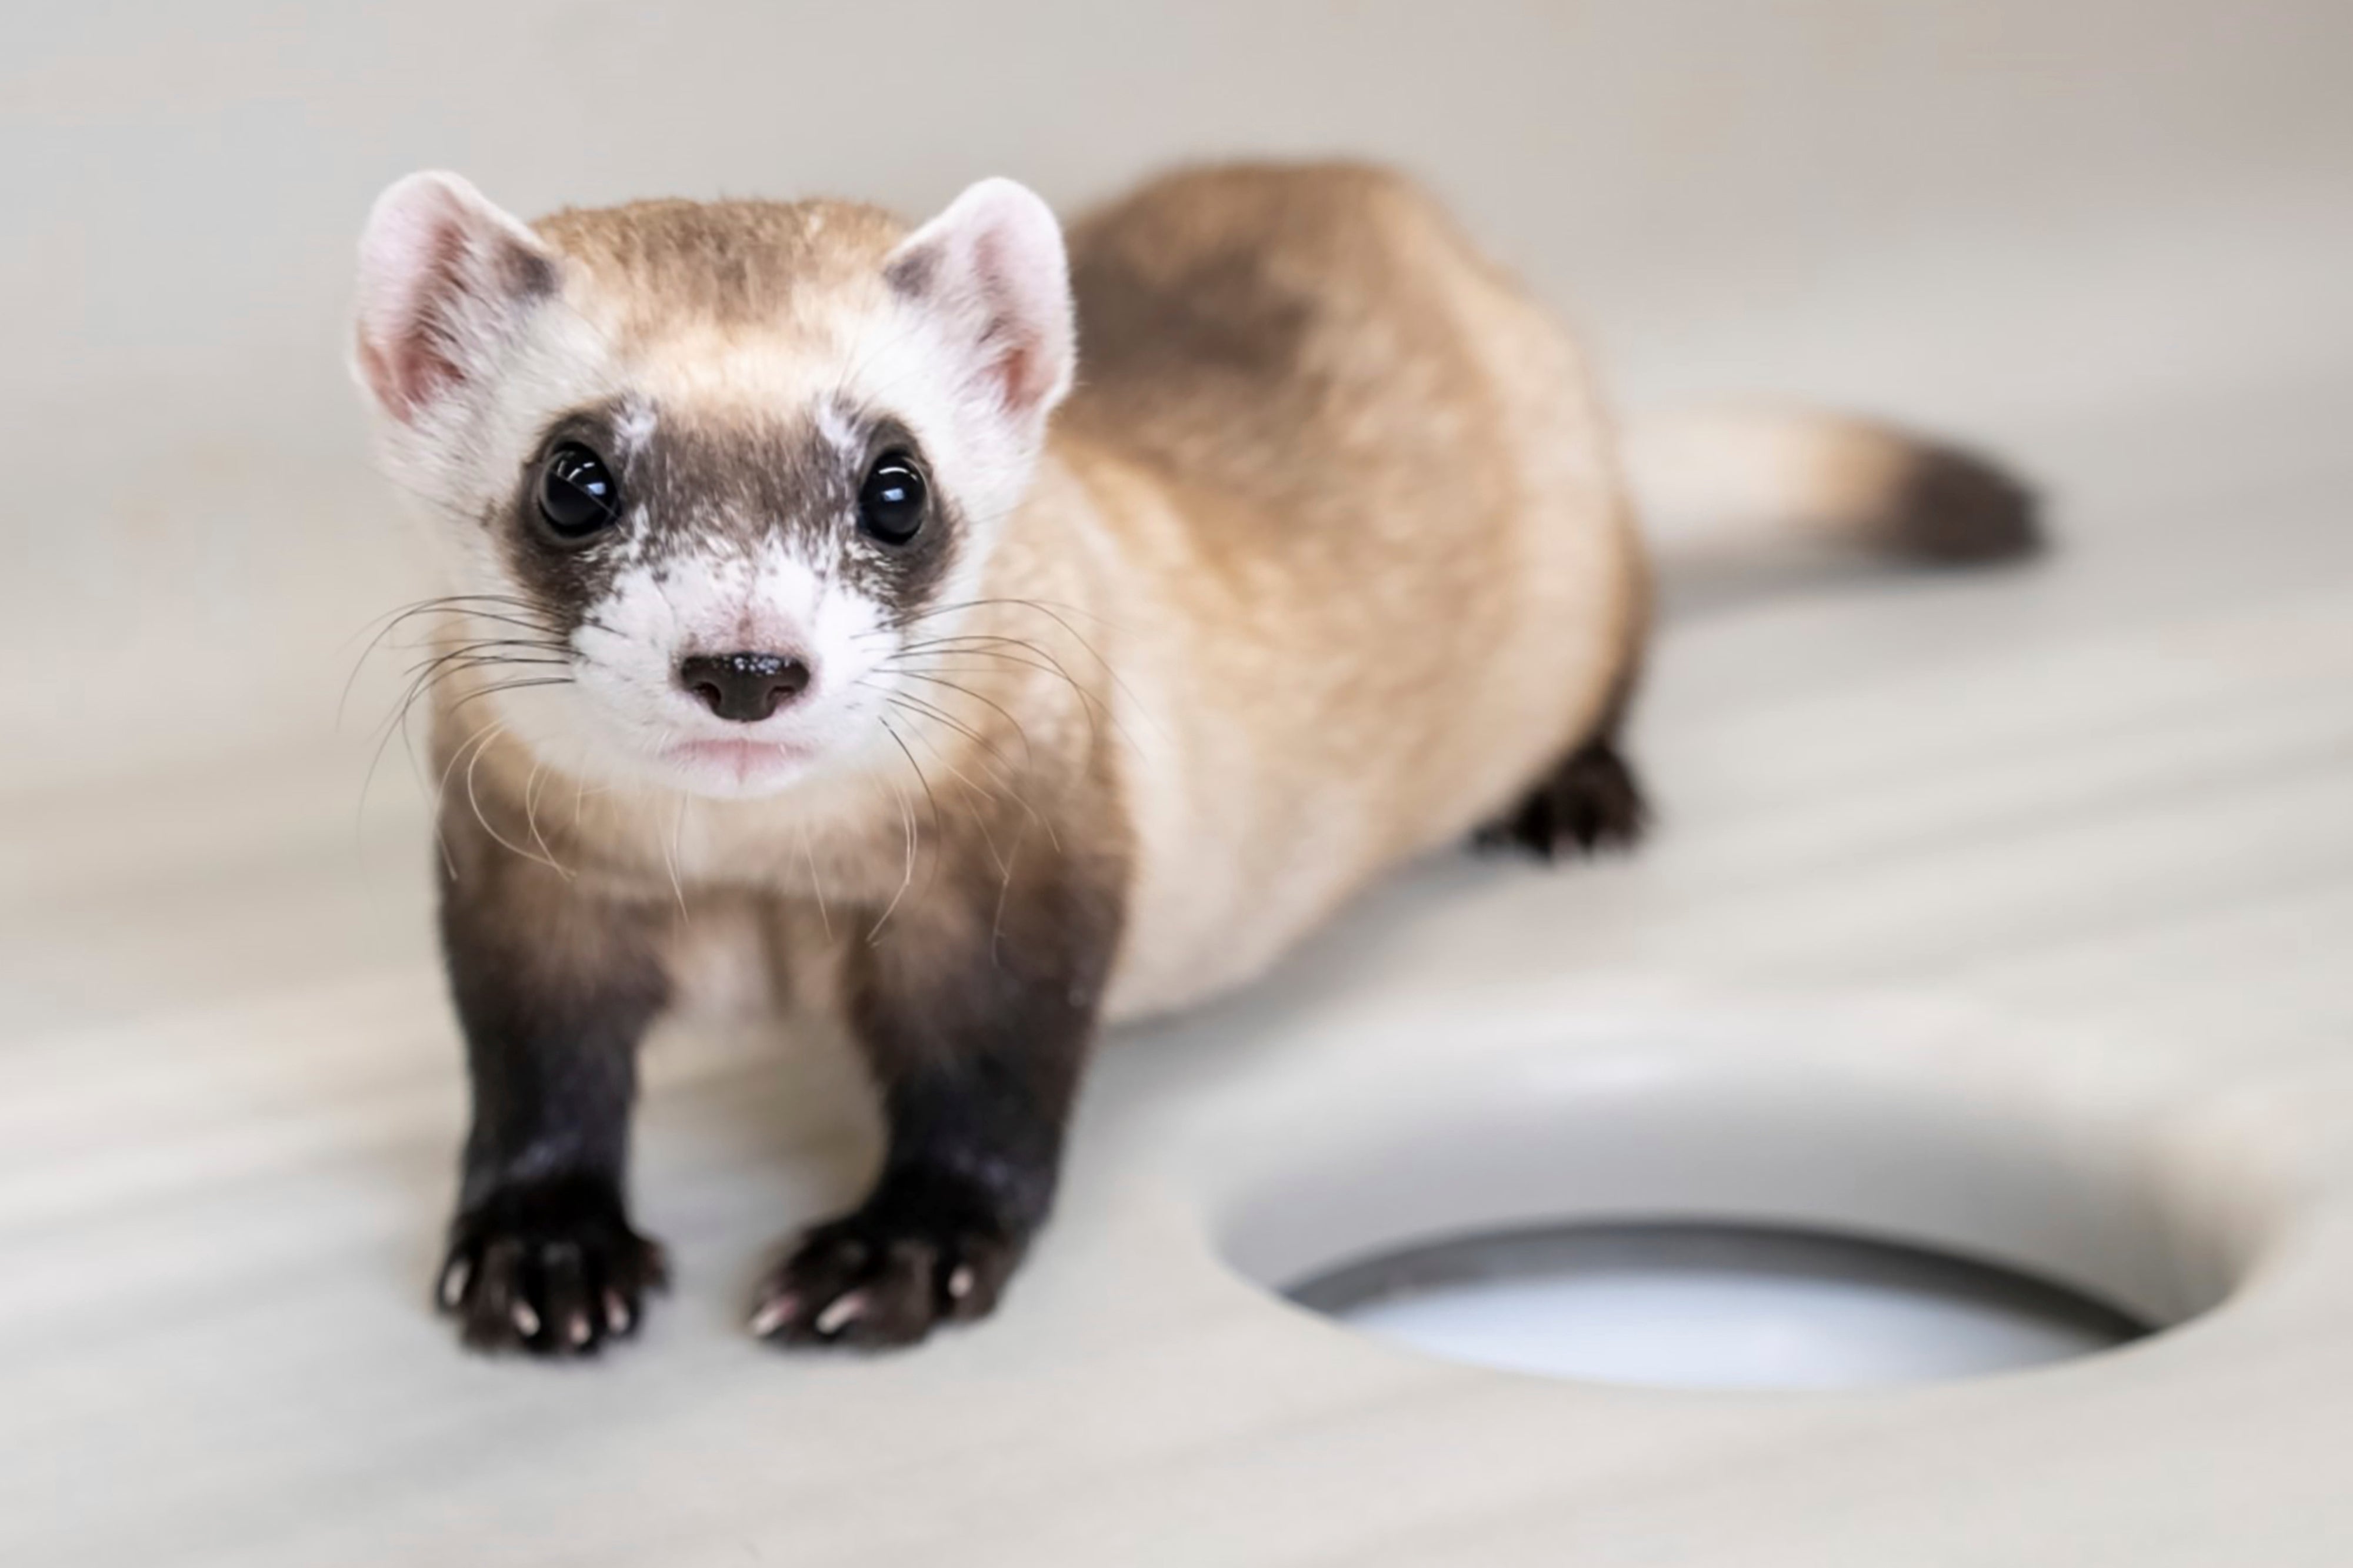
(443, 276)
(993, 268)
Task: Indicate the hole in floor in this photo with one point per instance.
(1695, 1217)
(1699, 1306)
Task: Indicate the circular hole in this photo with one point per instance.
(1700, 1306)
(1700, 1219)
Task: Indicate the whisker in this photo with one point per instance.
(479, 656)
(465, 657)
(481, 691)
(450, 604)
(475, 801)
(669, 858)
(983, 644)
(459, 604)
(530, 816)
(423, 677)
(1041, 605)
(441, 792)
(907, 817)
(917, 704)
(938, 828)
(977, 819)
(931, 679)
(1045, 608)
(1018, 799)
(816, 882)
(1097, 710)
(1004, 892)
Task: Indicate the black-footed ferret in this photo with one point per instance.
(794, 557)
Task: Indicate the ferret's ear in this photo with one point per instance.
(444, 276)
(992, 270)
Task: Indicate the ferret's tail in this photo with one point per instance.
(1731, 487)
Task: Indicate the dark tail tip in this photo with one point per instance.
(1956, 509)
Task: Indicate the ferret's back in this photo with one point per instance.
(1392, 577)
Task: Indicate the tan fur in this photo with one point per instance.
(1328, 559)
(709, 304)
(1372, 570)
(1733, 484)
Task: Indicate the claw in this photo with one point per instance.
(841, 1313)
(772, 1315)
(526, 1319)
(454, 1280)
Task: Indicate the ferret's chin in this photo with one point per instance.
(736, 770)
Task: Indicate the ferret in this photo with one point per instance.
(1051, 629)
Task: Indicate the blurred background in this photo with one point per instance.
(2022, 220)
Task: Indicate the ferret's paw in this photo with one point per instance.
(1588, 804)
(885, 1275)
(549, 1268)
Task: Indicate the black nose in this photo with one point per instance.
(744, 687)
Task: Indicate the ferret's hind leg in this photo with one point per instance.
(1588, 804)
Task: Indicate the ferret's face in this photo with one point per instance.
(732, 586)
(703, 474)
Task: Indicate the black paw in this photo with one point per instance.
(1590, 803)
(921, 1252)
(551, 1267)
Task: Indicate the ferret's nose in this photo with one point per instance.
(744, 687)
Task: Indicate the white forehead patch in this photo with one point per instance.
(835, 427)
(634, 430)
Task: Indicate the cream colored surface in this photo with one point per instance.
(2083, 827)
(2073, 843)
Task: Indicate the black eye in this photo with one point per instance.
(891, 502)
(577, 494)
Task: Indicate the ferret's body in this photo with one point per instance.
(1326, 562)
(1367, 570)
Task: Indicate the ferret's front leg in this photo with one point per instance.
(554, 987)
(976, 1005)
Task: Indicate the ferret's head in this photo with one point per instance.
(705, 470)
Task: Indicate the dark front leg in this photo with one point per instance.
(554, 987)
(975, 1009)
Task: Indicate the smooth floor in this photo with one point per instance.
(2100, 807)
